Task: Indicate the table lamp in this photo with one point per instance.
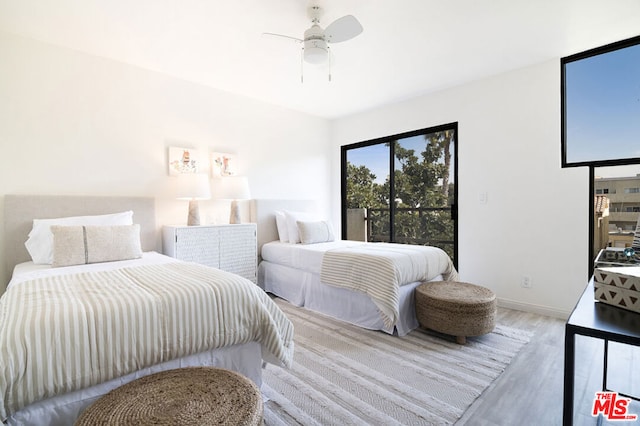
(193, 187)
(232, 188)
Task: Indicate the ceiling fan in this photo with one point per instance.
(315, 44)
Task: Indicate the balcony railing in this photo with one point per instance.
(421, 226)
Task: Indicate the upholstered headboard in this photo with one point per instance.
(20, 210)
(263, 214)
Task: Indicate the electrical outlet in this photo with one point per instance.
(526, 281)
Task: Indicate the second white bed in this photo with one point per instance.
(292, 272)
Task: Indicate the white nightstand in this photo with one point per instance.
(232, 248)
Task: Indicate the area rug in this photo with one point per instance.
(345, 375)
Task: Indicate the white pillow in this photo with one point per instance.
(315, 232)
(78, 245)
(292, 225)
(40, 241)
(281, 224)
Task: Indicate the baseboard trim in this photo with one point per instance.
(536, 309)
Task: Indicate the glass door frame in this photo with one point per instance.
(392, 208)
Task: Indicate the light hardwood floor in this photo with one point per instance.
(530, 390)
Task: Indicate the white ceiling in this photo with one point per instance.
(408, 47)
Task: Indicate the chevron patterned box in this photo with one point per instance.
(618, 286)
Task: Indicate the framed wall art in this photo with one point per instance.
(222, 164)
(184, 160)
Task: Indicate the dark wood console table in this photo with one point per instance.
(600, 321)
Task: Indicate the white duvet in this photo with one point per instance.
(65, 329)
(374, 269)
(379, 269)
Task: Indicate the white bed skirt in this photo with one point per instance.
(63, 410)
(302, 288)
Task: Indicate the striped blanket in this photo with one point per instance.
(63, 333)
(379, 269)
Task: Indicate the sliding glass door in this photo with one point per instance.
(402, 189)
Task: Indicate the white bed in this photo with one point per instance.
(63, 408)
(293, 272)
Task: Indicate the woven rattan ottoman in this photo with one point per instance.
(456, 308)
(185, 396)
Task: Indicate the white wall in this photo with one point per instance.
(535, 222)
(77, 124)
(72, 123)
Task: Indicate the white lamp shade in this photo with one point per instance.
(231, 188)
(193, 186)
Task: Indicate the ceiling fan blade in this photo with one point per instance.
(295, 39)
(343, 29)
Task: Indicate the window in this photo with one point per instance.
(600, 107)
(402, 189)
(615, 227)
(599, 110)
(604, 191)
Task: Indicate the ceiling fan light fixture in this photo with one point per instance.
(315, 43)
(316, 51)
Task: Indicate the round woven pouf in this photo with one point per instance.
(185, 396)
(455, 308)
